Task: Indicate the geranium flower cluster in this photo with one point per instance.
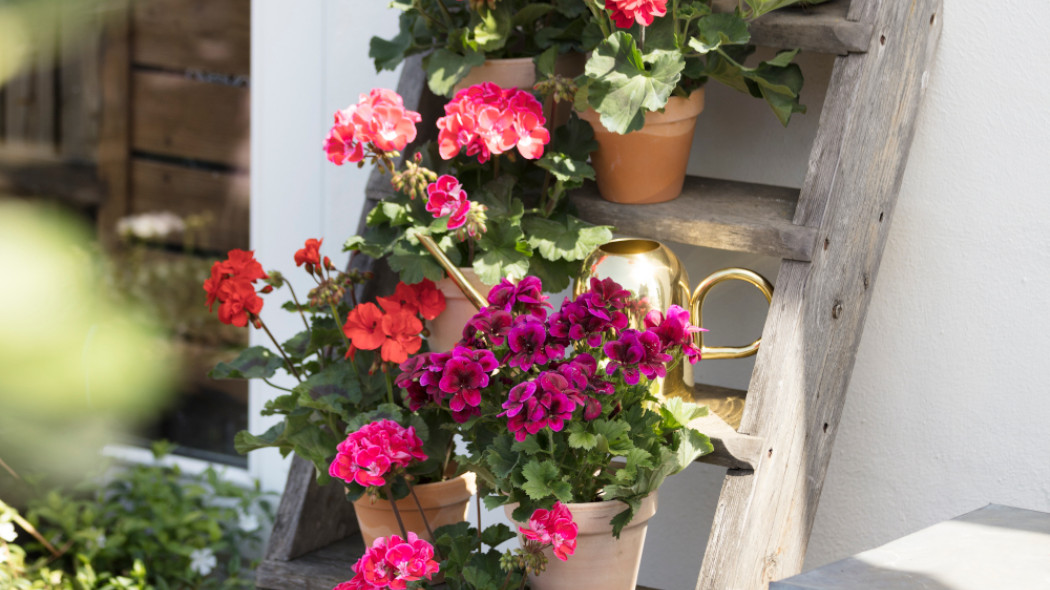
(553, 527)
(392, 563)
(232, 284)
(548, 365)
(627, 12)
(446, 197)
(379, 122)
(394, 326)
(485, 119)
(375, 450)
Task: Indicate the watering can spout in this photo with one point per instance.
(473, 295)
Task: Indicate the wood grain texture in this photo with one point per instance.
(115, 123)
(321, 569)
(731, 448)
(722, 214)
(824, 28)
(310, 516)
(176, 116)
(763, 518)
(30, 97)
(187, 191)
(206, 35)
(79, 80)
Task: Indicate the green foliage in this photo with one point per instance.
(631, 73)
(468, 565)
(146, 527)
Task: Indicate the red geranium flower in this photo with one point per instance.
(310, 253)
(431, 299)
(231, 283)
(627, 12)
(404, 298)
(402, 336)
(238, 300)
(362, 327)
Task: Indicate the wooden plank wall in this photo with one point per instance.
(178, 139)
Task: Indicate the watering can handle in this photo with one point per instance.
(697, 304)
(473, 295)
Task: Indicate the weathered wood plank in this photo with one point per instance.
(810, 340)
(176, 116)
(205, 35)
(732, 449)
(114, 126)
(187, 191)
(30, 109)
(824, 28)
(310, 516)
(722, 214)
(320, 569)
(25, 172)
(80, 93)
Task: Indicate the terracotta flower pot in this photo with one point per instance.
(444, 502)
(648, 165)
(600, 560)
(447, 328)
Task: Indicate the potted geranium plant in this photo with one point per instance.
(557, 407)
(343, 362)
(485, 40)
(646, 79)
(490, 191)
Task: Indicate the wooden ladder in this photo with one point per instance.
(830, 237)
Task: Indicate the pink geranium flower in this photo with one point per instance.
(627, 12)
(553, 527)
(374, 450)
(447, 197)
(379, 120)
(675, 329)
(484, 119)
(392, 563)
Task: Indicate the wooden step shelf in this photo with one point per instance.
(824, 28)
(723, 214)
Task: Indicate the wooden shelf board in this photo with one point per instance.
(726, 407)
(321, 569)
(37, 173)
(722, 214)
(824, 28)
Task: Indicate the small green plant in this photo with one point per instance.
(146, 527)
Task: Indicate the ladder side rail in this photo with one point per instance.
(764, 517)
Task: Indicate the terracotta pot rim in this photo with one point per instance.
(594, 517)
(436, 494)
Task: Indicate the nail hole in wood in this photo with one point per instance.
(825, 427)
(867, 281)
(770, 452)
(827, 242)
(881, 214)
(836, 311)
(933, 17)
(882, 39)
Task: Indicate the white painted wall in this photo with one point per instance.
(948, 404)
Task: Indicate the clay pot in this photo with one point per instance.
(444, 502)
(648, 165)
(447, 328)
(600, 560)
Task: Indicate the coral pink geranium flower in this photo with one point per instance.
(372, 451)
(627, 12)
(392, 563)
(553, 527)
(379, 118)
(484, 119)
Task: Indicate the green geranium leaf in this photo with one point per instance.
(445, 68)
(677, 413)
(531, 12)
(496, 534)
(388, 54)
(493, 27)
(566, 168)
(298, 346)
(624, 518)
(245, 441)
(498, 197)
(625, 84)
(413, 263)
(494, 502)
(337, 379)
(504, 253)
(353, 244)
(255, 362)
(572, 240)
(555, 275)
(581, 439)
(542, 481)
(501, 457)
(575, 138)
(389, 213)
(546, 60)
(716, 30)
(693, 445)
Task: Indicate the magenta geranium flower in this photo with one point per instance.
(392, 563)
(463, 376)
(637, 352)
(553, 527)
(487, 328)
(447, 197)
(541, 403)
(524, 297)
(374, 450)
(675, 329)
(529, 345)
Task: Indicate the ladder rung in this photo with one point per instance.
(823, 28)
(724, 214)
(732, 449)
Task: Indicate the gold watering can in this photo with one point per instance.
(657, 279)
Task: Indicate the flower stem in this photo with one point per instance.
(477, 502)
(275, 386)
(287, 361)
(389, 387)
(423, 515)
(298, 306)
(397, 513)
